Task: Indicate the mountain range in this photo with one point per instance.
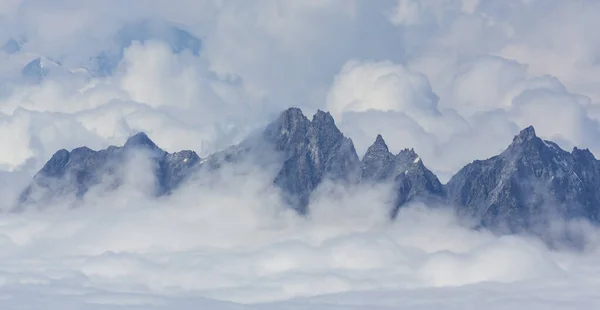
(532, 182)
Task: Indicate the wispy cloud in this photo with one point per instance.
(453, 79)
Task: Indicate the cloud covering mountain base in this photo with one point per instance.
(229, 237)
(453, 79)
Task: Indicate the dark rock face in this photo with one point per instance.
(412, 180)
(75, 172)
(312, 151)
(175, 168)
(307, 153)
(377, 160)
(531, 182)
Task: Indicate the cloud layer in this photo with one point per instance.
(127, 249)
(455, 79)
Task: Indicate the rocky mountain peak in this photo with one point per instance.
(527, 185)
(532, 181)
(377, 160)
(140, 140)
(322, 117)
(291, 116)
(583, 154)
(525, 135)
(378, 147)
(75, 172)
(412, 180)
(409, 155)
(312, 151)
(54, 166)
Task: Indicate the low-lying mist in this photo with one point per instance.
(227, 235)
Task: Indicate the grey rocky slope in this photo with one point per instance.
(528, 184)
(412, 180)
(303, 152)
(312, 151)
(309, 152)
(531, 182)
(75, 172)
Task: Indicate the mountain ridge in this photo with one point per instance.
(531, 181)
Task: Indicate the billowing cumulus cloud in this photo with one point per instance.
(454, 79)
(383, 86)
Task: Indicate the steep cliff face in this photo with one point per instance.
(412, 180)
(531, 182)
(312, 151)
(75, 172)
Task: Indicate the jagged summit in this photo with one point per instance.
(75, 172)
(323, 117)
(312, 151)
(526, 134)
(379, 141)
(377, 154)
(54, 166)
(526, 185)
(141, 140)
(409, 154)
(377, 161)
(529, 184)
(412, 180)
(584, 154)
(292, 112)
(291, 125)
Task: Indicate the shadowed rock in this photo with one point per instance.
(532, 182)
(75, 172)
(312, 151)
(412, 180)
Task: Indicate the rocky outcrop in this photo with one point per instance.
(531, 182)
(412, 180)
(75, 172)
(312, 151)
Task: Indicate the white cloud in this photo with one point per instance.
(484, 97)
(202, 243)
(407, 12)
(8, 7)
(484, 84)
(378, 66)
(382, 86)
(158, 78)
